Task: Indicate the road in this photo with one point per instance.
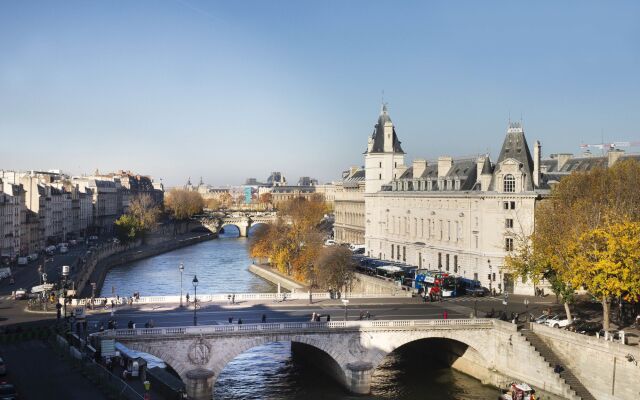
(301, 310)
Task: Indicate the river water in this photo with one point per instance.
(270, 371)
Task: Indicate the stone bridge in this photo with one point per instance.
(490, 350)
(243, 221)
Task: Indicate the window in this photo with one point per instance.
(509, 183)
(398, 252)
(509, 205)
(508, 223)
(380, 164)
(494, 276)
(379, 176)
(512, 205)
(476, 238)
(506, 205)
(508, 244)
(455, 264)
(440, 260)
(475, 276)
(392, 252)
(404, 253)
(447, 262)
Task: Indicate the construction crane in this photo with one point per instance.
(609, 146)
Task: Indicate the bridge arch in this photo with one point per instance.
(170, 358)
(230, 224)
(467, 351)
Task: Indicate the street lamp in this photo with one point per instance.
(195, 299)
(490, 280)
(345, 302)
(181, 268)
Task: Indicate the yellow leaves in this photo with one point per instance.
(183, 204)
(606, 261)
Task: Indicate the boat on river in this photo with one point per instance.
(518, 391)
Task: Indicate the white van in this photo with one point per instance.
(23, 260)
(63, 249)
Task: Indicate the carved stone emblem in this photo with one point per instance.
(199, 352)
(358, 345)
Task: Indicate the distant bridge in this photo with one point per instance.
(490, 350)
(243, 221)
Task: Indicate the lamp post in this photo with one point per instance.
(345, 302)
(195, 300)
(181, 268)
(490, 280)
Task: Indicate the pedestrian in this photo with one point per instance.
(444, 314)
(228, 299)
(313, 317)
(11, 280)
(130, 325)
(318, 317)
(233, 299)
(361, 315)
(368, 315)
(239, 321)
(231, 320)
(187, 296)
(264, 318)
(328, 318)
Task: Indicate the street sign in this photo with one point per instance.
(80, 313)
(42, 288)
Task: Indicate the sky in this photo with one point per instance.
(233, 89)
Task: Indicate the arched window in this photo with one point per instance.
(509, 183)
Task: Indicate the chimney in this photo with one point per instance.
(479, 166)
(536, 163)
(614, 155)
(444, 165)
(418, 168)
(562, 159)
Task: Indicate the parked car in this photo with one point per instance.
(23, 260)
(330, 242)
(63, 244)
(585, 327)
(542, 319)
(63, 250)
(3, 367)
(93, 237)
(50, 250)
(33, 256)
(8, 391)
(73, 242)
(557, 321)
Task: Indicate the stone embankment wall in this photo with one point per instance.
(365, 284)
(112, 255)
(608, 370)
(274, 277)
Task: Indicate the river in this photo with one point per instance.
(269, 371)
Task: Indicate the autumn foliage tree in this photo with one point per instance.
(581, 235)
(292, 244)
(334, 269)
(183, 204)
(139, 219)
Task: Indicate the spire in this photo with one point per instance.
(383, 131)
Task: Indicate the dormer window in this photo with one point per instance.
(509, 183)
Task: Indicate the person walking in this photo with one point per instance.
(444, 314)
(328, 318)
(187, 297)
(239, 321)
(233, 298)
(231, 320)
(264, 318)
(313, 317)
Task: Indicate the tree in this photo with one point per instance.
(127, 228)
(575, 228)
(292, 244)
(266, 198)
(213, 204)
(145, 211)
(606, 261)
(335, 268)
(225, 199)
(183, 204)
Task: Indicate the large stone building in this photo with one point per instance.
(349, 207)
(461, 216)
(11, 204)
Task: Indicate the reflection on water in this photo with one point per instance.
(270, 372)
(221, 266)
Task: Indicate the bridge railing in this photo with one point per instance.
(225, 297)
(301, 327)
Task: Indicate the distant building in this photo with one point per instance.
(349, 207)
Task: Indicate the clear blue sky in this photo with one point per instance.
(228, 90)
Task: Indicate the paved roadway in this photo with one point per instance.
(301, 310)
(26, 277)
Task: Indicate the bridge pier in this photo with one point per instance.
(359, 377)
(199, 384)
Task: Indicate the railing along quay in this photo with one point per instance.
(299, 327)
(237, 297)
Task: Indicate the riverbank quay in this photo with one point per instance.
(102, 265)
(362, 284)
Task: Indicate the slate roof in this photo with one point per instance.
(515, 146)
(463, 170)
(378, 134)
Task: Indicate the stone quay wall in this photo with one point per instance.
(609, 370)
(266, 273)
